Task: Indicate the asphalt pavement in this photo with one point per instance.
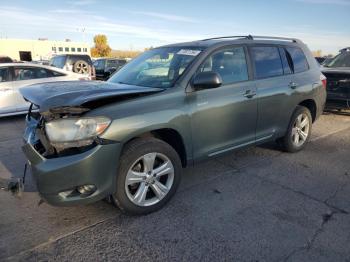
(257, 204)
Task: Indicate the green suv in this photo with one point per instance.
(172, 106)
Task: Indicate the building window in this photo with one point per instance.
(66, 49)
(54, 48)
(60, 49)
(72, 49)
(85, 49)
(78, 49)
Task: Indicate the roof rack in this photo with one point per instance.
(251, 37)
(224, 37)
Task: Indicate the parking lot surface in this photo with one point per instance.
(258, 204)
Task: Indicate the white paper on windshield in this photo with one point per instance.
(188, 52)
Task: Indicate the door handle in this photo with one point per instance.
(249, 94)
(293, 85)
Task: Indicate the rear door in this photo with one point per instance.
(224, 118)
(272, 72)
(7, 97)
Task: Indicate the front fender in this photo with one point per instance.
(124, 129)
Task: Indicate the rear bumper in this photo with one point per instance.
(57, 176)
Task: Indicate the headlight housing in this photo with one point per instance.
(74, 132)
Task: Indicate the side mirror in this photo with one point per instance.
(206, 80)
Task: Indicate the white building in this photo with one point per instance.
(42, 49)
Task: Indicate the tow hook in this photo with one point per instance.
(16, 187)
(16, 184)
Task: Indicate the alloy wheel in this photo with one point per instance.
(149, 179)
(300, 131)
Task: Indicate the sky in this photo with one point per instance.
(137, 24)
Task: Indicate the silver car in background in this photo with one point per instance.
(13, 76)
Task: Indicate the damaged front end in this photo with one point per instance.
(61, 131)
(56, 121)
(65, 154)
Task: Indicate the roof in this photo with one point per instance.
(204, 43)
(37, 65)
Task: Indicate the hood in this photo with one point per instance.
(77, 93)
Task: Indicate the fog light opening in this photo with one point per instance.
(86, 189)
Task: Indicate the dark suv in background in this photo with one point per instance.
(337, 71)
(81, 64)
(171, 107)
(105, 67)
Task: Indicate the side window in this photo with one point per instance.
(41, 73)
(4, 74)
(267, 61)
(58, 61)
(27, 73)
(24, 73)
(230, 64)
(287, 67)
(53, 73)
(299, 60)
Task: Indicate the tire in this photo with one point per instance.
(81, 67)
(137, 159)
(289, 141)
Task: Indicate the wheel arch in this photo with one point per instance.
(171, 137)
(311, 105)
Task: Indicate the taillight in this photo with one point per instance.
(323, 80)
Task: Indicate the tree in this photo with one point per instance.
(101, 47)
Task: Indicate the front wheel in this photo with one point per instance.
(148, 176)
(299, 130)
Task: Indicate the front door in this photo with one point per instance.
(224, 118)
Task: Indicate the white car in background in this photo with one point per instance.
(13, 76)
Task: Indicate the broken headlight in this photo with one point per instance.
(75, 132)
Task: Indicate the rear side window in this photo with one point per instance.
(299, 60)
(267, 61)
(286, 61)
(51, 73)
(230, 64)
(58, 61)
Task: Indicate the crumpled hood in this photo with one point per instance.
(78, 93)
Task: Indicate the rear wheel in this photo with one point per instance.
(299, 130)
(148, 176)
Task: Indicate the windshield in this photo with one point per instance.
(158, 67)
(341, 60)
